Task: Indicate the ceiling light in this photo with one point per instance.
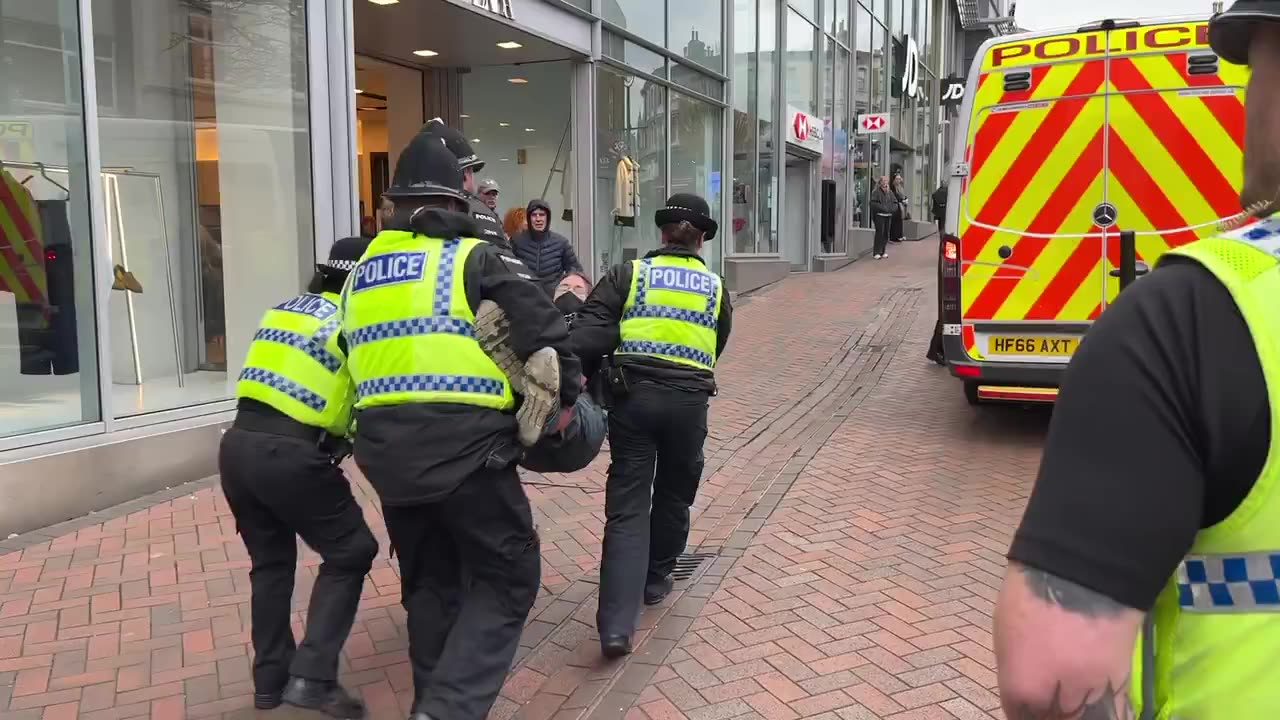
(359, 91)
(464, 116)
(517, 81)
(425, 53)
(384, 2)
(504, 159)
(504, 124)
(528, 129)
(509, 45)
(475, 140)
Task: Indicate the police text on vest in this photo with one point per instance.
(389, 269)
(682, 279)
(313, 305)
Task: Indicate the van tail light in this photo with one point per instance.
(949, 267)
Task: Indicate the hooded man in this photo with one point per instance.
(437, 428)
(548, 255)
(279, 465)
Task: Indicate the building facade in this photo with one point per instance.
(170, 168)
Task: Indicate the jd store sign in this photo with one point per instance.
(951, 92)
(906, 80)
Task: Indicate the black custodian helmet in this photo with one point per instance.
(1231, 31)
(426, 168)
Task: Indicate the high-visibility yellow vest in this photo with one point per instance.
(295, 365)
(672, 311)
(410, 329)
(1214, 634)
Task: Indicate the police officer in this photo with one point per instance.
(664, 319)
(280, 474)
(488, 223)
(1154, 523)
(436, 432)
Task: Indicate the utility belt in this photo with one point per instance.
(336, 447)
(616, 382)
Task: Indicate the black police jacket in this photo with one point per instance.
(419, 453)
(488, 225)
(596, 333)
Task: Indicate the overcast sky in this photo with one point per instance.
(1051, 14)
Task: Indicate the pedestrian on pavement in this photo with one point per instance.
(547, 254)
(902, 212)
(489, 227)
(884, 203)
(437, 428)
(489, 193)
(1155, 522)
(935, 352)
(279, 465)
(665, 319)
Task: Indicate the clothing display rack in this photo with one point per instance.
(116, 231)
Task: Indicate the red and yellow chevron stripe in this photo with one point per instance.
(22, 268)
(1136, 127)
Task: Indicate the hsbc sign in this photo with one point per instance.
(804, 130)
(873, 124)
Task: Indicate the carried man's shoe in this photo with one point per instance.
(537, 381)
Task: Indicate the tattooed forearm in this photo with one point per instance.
(1111, 704)
(1068, 595)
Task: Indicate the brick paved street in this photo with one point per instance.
(851, 529)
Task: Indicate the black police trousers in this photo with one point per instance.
(470, 566)
(656, 435)
(279, 487)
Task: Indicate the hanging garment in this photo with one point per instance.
(626, 202)
(63, 343)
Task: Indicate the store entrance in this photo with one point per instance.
(508, 91)
(797, 211)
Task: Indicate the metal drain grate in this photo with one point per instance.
(688, 563)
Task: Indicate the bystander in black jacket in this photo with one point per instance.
(430, 448)
(596, 331)
(547, 254)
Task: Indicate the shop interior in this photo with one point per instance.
(508, 91)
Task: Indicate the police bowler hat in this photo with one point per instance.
(345, 254)
(1230, 32)
(426, 168)
(689, 208)
(457, 144)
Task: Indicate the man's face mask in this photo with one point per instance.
(569, 303)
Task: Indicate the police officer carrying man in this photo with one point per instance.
(488, 223)
(436, 430)
(1155, 521)
(665, 320)
(280, 474)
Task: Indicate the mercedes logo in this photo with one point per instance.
(1104, 215)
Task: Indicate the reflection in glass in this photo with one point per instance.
(48, 351)
(809, 8)
(745, 146)
(637, 56)
(766, 113)
(696, 158)
(802, 64)
(211, 117)
(695, 31)
(630, 167)
(645, 18)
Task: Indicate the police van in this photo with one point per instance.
(1068, 140)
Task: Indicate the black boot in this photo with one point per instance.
(615, 646)
(655, 591)
(329, 698)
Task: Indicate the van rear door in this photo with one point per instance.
(1175, 139)
(1028, 241)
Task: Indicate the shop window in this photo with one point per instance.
(643, 18)
(48, 349)
(696, 158)
(745, 147)
(841, 28)
(630, 168)
(767, 126)
(523, 133)
(389, 113)
(808, 8)
(802, 64)
(637, 56)
(212, 223)
(695, 31)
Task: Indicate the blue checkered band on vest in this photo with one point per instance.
(707, 320)
(411, 326)
(444, 278)
(645, 347)
(284, 385)
(1245, 582)
(429, 383)
(313, 346)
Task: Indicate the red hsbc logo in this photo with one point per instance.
(873, 122)
(801, 127)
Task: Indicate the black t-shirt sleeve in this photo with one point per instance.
(1161, 428)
